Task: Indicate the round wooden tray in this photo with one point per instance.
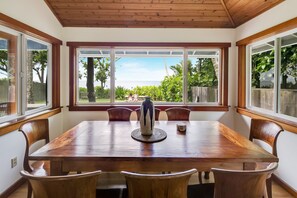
(157, 136)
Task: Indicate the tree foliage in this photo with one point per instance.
(264, 62)
(3, 60)
(39, 61)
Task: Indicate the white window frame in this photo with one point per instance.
(112, 76)
(277, 67)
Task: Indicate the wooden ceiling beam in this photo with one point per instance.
(228, 14)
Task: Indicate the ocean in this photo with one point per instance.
(125, 84)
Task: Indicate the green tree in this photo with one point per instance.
(39, 61)
(202, 74)
(264, 61)
(288, 65)
(3, 60)
(261, 62)
(103, 70)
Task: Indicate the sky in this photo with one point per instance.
(144, 69)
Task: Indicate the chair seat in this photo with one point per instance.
(41, 168)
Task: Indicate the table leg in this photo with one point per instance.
(56, 167)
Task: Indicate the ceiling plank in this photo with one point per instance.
(151, 18)
(139, 1)
(131, 6)
(87, 13)
(140, 24)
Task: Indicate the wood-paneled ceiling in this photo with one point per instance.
(158, 13)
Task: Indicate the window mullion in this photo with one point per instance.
(23, 75)
(112, 76)
(277, 71)
(248, 76)
(185, 77)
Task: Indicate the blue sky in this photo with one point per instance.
(144, 69)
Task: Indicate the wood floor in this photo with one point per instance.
(277, 191)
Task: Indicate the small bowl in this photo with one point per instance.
(181, 127)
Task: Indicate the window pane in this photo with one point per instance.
(288, 75)
(37, 75)
(157, 73)
(94, 76)
(8, 61)
(262, 76)
(203, 72)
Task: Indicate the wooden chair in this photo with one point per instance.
(34, 131)
(241, 183)
(157, 112)
(268, 132)
(119, 114)
(158, 185)
(178, 113)
(75, 186)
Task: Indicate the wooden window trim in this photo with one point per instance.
(73, 46)
(56, 43)
(13, 125)
(242, 44)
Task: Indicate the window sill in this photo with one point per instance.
(161, 107)
(13, 125)
(286, 124)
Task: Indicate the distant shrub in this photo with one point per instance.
(102, 93)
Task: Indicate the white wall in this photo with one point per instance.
(13, 145)
(287, 144)
(34, 13)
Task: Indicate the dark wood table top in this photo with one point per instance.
(204, 141)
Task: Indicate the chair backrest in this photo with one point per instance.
(266, 131)
(34, 130)
(158, 185)
(74, 186)
(178, 113)
(119, 114)
(241, 183)
(157, 112)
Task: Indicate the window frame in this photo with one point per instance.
(73, 46)
(24, 59)
(17, 26)
(242, 107)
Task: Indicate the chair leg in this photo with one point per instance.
(206, 175)
(29, 193)
(200, 177)
(269, 187)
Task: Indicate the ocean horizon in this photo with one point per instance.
(125, 84)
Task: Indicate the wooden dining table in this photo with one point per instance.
(108, 146)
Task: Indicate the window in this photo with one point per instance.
(8, 74)
(37, 68)
(25, 65)
(109, 74)
(273, 75)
